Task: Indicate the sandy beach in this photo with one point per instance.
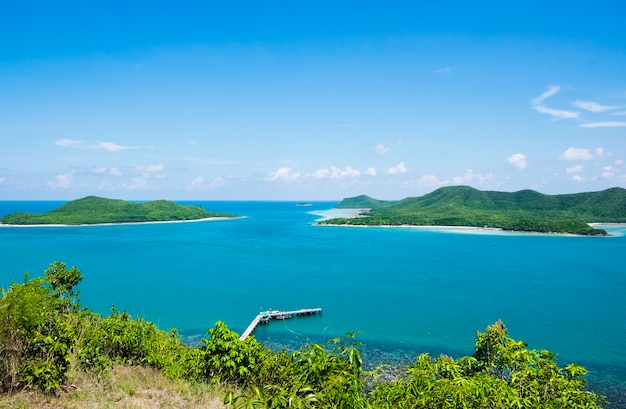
(349, 213)
(207, 219)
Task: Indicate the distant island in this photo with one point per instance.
(98, 210)
(525, 211)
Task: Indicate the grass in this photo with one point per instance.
(122, 387)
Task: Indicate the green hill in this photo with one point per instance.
(361, 202)
(525, 210)
(96, 210)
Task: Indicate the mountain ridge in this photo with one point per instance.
(524, 210)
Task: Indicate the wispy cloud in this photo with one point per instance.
(603, 124)
(335, 173)
(575, 169)
(593, 106)
(380, 148)
(577, 154)
(199, 183)
(443, 70)
(537, 104)
(196, 184)
(371, 171)
(398, 169)
(159, 167)
(105, 145)
(111, 146)
(113, 170)
(67, 142)
(552, 90)
(470, 176)
(430, 181)
(62, 181)
(518, 160)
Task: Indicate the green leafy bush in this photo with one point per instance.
(43, 334)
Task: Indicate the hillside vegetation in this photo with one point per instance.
(525, 210)
(362, 202)
(48, 341)
(96, 210)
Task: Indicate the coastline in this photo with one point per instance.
(350, 213)
(466, 230)
(207, 219)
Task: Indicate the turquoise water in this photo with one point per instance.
(405, 290)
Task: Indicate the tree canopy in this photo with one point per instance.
(96, 210)
(525, 210)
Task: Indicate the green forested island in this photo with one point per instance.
(525, 210)
(98, 210)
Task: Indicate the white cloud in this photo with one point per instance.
(578, 178)
(558, 114)
(398, 169)
(619, 113)
(518, 160)
(430, 180)
(371, 171)
(111, 146)
(444, 70)
(197, 183)
(284, 174)
(575, 169)
(2, 180)
(67, 142)
(536, 103)
(335, 173)
(607, 172)
(115, 171)
(62, 181)
(593, 106)
(603, 124)
(150, 168)
(599, 152)
(470, 176)
(380, 148)
(138, 183)
(550, 92)
(576, 154)
(217, 182)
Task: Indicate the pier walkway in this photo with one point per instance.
(265, 316)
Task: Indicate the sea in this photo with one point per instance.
(401, 291)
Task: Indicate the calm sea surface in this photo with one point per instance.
(404, 290)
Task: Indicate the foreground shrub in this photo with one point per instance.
(43, 332)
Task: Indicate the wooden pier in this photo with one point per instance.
(264, 317)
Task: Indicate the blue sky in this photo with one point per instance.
(309, 101)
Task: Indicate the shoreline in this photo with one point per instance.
(207, 219)
(353, 213)
(467, 230)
